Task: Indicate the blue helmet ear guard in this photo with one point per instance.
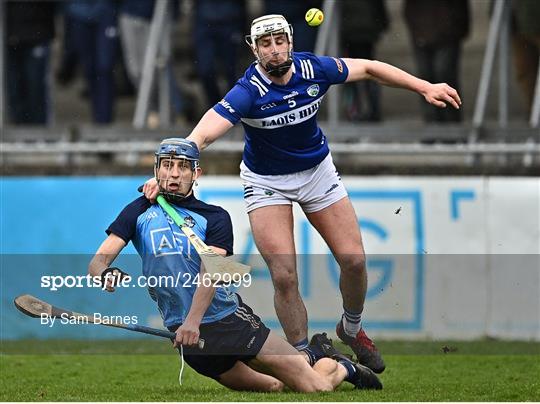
(176, 148)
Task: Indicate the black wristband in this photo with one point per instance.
(109, 270)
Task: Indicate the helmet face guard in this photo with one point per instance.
(176, 148)
(272, 24)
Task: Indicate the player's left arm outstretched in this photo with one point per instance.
(439, 94)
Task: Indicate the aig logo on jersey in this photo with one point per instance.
(165, 242)
(313, 90)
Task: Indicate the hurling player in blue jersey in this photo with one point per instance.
(286, 159)
(236, 340)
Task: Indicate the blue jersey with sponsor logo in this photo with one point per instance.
(281, 131)
(167, 255)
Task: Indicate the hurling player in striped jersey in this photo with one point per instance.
(286, 159)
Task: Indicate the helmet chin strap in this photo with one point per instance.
(175, 197)
(278, 70)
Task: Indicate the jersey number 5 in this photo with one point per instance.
(292, 102)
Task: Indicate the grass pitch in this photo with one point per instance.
(147, 370)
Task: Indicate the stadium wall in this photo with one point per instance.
(447, 257)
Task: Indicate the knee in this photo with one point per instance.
(353, 263)
(285, 281)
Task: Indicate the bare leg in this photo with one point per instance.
(331, 370)
(242, 377)
(272, 228)
(278, 358)
(337, 224)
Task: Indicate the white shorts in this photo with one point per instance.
(313, 189)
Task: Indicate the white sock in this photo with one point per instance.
(351, 323)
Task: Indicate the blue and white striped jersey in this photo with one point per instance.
(166, 253)
(281, 131)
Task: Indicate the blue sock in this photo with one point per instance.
(351, 369)
(313, 354)
(301, 345)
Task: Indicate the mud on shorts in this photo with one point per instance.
(314, 189)
(238, 337)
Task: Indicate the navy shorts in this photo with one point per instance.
(237, 337)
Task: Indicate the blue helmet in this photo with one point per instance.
(176, 148)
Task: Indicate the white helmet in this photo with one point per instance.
(272, 23)
(268, 25)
